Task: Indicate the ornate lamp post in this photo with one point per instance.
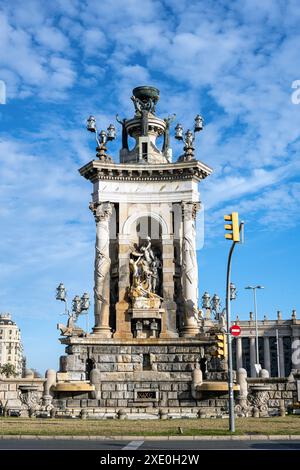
(101, 138)
(206, 300)
(255, 318)
(61, 294)
(188, 138)
(79, 304)
(233, 291)
(215, 305)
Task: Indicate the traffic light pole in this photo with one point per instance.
(236, 235)
(229, 343)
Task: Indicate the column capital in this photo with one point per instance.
(101, 210)
(190, 209)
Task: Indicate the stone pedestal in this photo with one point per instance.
(133, 373)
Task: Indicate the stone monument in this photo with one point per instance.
(147, 338)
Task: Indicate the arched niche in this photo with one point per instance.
(129, 227)
(141, 229)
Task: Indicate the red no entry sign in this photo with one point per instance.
(235, 330)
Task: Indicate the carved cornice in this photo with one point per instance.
(97, 170)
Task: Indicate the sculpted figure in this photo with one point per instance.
(144, 266)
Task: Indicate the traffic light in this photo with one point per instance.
(221, 346)
(232, 227)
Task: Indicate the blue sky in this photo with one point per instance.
(232, 61)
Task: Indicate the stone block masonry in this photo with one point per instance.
(138, 375)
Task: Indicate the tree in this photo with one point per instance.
(8, 370)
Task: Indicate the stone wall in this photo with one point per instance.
(23, 395)
(279, 392)
(133, 376)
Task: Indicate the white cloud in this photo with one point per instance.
(93, 41)
(32, 69)
(51, 38)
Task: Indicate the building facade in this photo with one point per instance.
(11, 349)
(278, 345)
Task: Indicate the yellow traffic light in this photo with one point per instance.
(221, 350)
(232, 227)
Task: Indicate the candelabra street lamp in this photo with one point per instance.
(79, 304)
(206, 300)
(101, 138)
(233, 291)
(188, 138)
(216, 305)
(255, 319)
(212, 304)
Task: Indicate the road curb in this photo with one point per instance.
(242, 437)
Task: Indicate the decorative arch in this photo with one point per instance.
(134, 217)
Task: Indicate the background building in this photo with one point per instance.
(11, 348)
(278, 357)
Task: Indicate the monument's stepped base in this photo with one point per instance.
(157, 373)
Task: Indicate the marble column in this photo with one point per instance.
(102, 213)
(267, 357)
(281, 356)
(252, 357)
(190, 270)
(239, 353)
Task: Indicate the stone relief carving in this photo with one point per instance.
(144, 266)
(102, 213)
(259, 399)
(30, 399)
(189, 258)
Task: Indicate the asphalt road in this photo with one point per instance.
(52, 444)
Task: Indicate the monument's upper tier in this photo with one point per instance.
(145, 127)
